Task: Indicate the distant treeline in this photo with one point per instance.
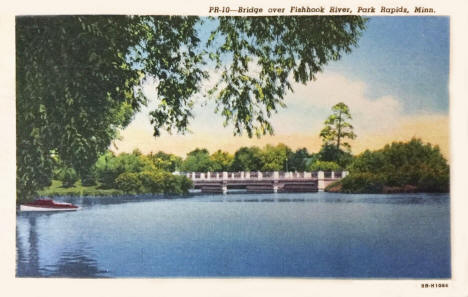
(139, 173)
(398, 167)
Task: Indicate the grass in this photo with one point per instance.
(56, 189)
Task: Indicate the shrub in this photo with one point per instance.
(164, 182)
(324, 166)
(109, 167)
(68, 177)
(129, 182)
(399, 165)
(432, 182)
(89, 179)
(362, 183)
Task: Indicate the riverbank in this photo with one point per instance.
(57, 189)
(338, 188)
(350, 185)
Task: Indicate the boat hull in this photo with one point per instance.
(41, 208)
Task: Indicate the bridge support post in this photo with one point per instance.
(321, 181)
(224, 186)
(225, 175)
(260, 175)
(275, 175)
(247, 175)
(333, 174)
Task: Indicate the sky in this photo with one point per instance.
(395, 84)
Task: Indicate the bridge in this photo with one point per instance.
(263, 182)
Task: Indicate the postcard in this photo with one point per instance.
(235, 149)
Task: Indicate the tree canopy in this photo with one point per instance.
(79, 78)
(399, 166)
(338, 128)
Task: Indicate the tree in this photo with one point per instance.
(167, 162)
(109, 167)
(222, 161)
(79, 77)
(198, 160)
(329, 153)
(298, 160)
(323, 166)
(399, 164)
(247, 159)
(274, 158)
(337, 128)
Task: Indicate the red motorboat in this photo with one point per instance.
(47, 205)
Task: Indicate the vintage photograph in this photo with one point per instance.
(180, 146)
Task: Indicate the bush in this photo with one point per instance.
(431, 182)
(68, 177)
(129, 182)
(362, 183)
(151, 182)
(164, 182)
(400, 165)
(89, 179)
(109, 167)
(323, 166)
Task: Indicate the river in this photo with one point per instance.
(318, 235)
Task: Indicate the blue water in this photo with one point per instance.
(240, 235)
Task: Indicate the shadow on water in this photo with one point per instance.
(75, 263)
(28, 259)
(319, 197)
(71, 263)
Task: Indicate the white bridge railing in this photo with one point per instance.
(259, 175)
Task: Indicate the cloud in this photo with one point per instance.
(376, 121)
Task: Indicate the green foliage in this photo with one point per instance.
(89, 178)
(155, 181)
(247, 159)
(337, 128)
(129, 182)
(167, 162)
(400, 164)
(109, 167)
(298, 160)
(198, 160)
(323, 166)
(56, 189)
(364, 182)
(330, 153)
(68, 177)
(79, 78)
(274, 158)
(222, 161)
(278, 47)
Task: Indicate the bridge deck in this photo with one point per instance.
(220, 182)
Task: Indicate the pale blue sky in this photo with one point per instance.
(407, 57)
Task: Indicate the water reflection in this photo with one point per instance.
(74, 262)
(321, 197)
(28, 252)
(276, 234)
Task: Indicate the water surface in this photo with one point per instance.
(240, 235)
